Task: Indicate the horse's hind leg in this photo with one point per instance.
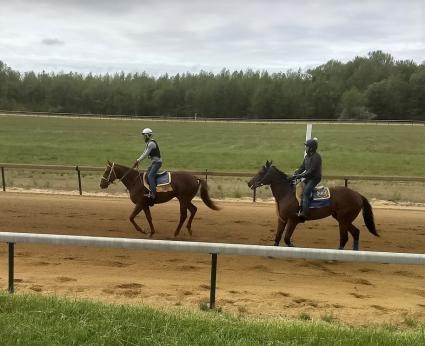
(149, 218)
(343, 235)
(355, 232)
(192, 208)
(137, 209)
(183, 216)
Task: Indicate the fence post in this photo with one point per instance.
(254, 194)
(3, 179)
(11, 267)
(206, 175)
(213, 279)
(345, 182)
(79, 180)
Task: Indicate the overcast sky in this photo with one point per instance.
(166, 36)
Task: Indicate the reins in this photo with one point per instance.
(108, 179)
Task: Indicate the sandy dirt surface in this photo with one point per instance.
(353, 293)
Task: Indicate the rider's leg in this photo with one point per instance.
(154, 168)
(148, 171)
(308, 189)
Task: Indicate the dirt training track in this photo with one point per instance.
(354, 293)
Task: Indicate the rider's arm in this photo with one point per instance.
(148, 149)
(314, 170)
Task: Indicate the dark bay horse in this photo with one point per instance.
(345, 206)
(185, 187)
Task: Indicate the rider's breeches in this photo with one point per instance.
(308, 189)
(152, 171)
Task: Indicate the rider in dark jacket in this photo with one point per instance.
(311, 171)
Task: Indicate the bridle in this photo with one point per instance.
(259, 182)
(108, 179)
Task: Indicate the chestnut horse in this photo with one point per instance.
(345, 206)
(185, 186)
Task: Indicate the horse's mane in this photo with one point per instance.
(282, 174)
(127, 171)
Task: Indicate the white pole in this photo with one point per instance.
(308, 134)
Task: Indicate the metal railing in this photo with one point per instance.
(201, 247)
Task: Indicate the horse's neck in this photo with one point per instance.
(280, 189)
(127, 176)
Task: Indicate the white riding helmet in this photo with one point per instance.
(147, 132)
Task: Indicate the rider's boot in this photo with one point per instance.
(303, 212)
(151, 198)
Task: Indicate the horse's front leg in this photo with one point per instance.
(136, 211)
(279, 231)
(149, 218)
(288, 233)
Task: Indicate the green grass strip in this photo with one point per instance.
(41, 320)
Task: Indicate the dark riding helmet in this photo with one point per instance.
(311, 144)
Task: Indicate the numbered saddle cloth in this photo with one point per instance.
(163, 181)
(321, 197)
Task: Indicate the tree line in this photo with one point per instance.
(373, 87)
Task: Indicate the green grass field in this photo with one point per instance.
(217, 146)
(37, 320)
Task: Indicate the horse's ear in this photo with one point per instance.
(267, 163)
(109, 163)
(271, 161)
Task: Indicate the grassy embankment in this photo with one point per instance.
(38, 320)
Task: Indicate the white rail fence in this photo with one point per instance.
(214, 249)
(84, 169)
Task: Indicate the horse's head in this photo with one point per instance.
(108, 176)
(262, 177)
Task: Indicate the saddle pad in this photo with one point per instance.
(321, 192)
(163, 182)
(321, 197)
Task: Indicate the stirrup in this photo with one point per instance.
(301, 216)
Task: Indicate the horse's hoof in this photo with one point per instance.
(290, 245)
(276, 244)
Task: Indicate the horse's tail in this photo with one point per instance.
(205, 196)
(368, 217)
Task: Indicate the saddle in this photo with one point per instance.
(320, 197)
(163, 181)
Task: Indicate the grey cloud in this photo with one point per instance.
(52, 42)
